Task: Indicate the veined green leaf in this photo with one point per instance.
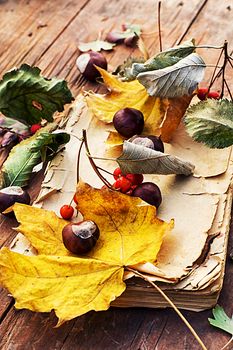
(164, 58)
(27, 96)
(211, 122)
(177, 80)
(17, 169)
(138, 159)
(221, 320)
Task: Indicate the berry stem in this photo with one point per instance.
(224, 67)
(214, 72)
(171, 303)
(106, 171)
(102, 178)
(78, 159)
(159, 26)
(228, 89)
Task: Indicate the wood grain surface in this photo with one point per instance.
(46, 33)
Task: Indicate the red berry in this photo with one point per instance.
(117, 173)
(214, 94)
(202, 93)
(67, 211)
(122, 184)
(34, 128)
(135, 179)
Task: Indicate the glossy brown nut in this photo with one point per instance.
(148, 192)
(128, 122)
(11, 195)
(86, 64)
(149, 141)
(81, 237)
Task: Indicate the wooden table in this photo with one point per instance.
(46, 34)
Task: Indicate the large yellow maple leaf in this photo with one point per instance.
(72, 285)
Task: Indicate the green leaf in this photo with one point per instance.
(124, 70)
(17, 169)
(164, 59)
(177, 80)
(138, 159)
(221, 320)
(27, 96)
(96, 46)
(211, 122)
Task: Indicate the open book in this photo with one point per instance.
(190, 264)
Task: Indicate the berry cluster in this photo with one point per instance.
(133, 185)
(204, 93)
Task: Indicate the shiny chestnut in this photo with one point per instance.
(81, 237)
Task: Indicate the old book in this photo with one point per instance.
(190, 264)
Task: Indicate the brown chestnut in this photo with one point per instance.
(128, 122)
(115, 37)
(148, 192)
(86, 64)
(11, 195)
(149, 141)
(81, 237)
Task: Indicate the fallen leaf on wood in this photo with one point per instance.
(96, 46)
(27, 96)
(72, 285)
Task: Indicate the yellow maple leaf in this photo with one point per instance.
(162, 116)
(125, 94)
(72, 285)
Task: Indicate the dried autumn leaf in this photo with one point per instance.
(72, 285)
(125, 94)
(130, 232)
(176, 108)
(138, 159)
(161, 116)
(96, 46)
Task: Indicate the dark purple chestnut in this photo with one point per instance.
(11, 195)
(131, 41)
(115, 37)
(81, 237)
(86, 64)
(149, 141)
(148, 192)
(128, 122)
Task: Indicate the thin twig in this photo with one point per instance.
(106, 171)
(172, 305)
(208, 47)
(100, 158)
(224, 67)
(228, 343)
(159, 26)
(228, 89)
(214, 72)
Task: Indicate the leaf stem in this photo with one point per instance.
(159, 26)
(172, 305)
(208, 47)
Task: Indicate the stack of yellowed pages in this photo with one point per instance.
(190, 264)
